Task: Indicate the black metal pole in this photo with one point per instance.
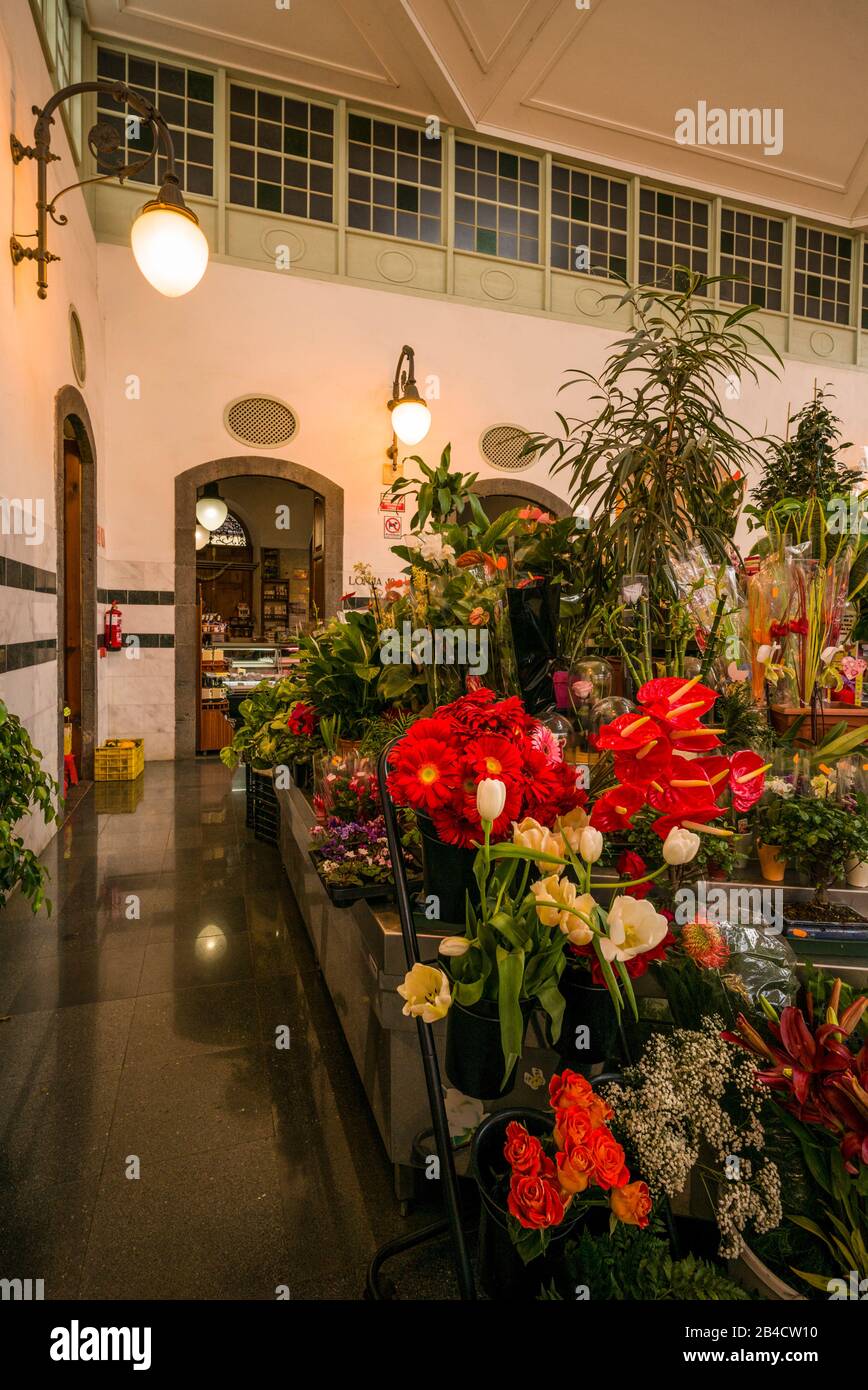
(430, 1065)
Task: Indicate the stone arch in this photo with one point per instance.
(69, 404)
(517, 486)
(187, 485)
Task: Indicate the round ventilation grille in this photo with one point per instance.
(502, 445)
(261, 420)
(76, 347)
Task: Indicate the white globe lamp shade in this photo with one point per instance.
(211, 512)
(170, 248)
(411, 420)
(203, 536)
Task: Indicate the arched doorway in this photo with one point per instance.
(75, 512)
(328, 533)
(506, 493)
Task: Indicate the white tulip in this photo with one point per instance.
(454, 946)
(763, 653)
(634, 927)
(680, 846)
(426, 990)
(590, 844)
(490, 799)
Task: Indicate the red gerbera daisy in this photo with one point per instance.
(426, 776)
(492, 755)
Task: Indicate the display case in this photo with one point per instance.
(245, 665)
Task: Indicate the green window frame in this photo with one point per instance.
(498, 202)
(394, 178)
(822, 271)
(674, 231)
(752, 246)
(591, 211)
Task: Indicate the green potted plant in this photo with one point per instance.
(24, 786)
(767, 827)
(818, 836)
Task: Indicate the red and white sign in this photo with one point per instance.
(392, 527)
(388, 503)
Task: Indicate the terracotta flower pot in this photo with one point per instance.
(772, 866)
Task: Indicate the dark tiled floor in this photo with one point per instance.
(139, 1037)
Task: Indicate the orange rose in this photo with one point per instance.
(522, 1151)
(631, 1203)
(535, 1202)
(573, 1126)
(575, 1168)
(568, 1089)
(608, 1156)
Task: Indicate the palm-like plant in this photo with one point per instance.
(659, 464)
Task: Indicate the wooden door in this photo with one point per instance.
(72, 580)
(317, 560)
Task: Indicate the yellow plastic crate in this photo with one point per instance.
(118, 798)
(115, 764)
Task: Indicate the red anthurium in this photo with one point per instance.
(747, 776)
(686, 815)
(679, 703)
(717, 771)
(687, 785)
(629, 733)
(696, 740)
(615, 809)
(647, 764)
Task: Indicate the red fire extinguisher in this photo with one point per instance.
(113, 637)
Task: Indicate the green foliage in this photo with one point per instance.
(659, 465)
(442, 496)
(382, 729)
(262, 738)
(24, 785)
(633, 1265)
(340, 667)
(803, 464)
(816, 835)
(742, 723)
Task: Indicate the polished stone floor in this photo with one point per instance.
(153, 1141)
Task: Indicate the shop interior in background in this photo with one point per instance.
(259, 581)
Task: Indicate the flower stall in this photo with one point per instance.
(625, 769)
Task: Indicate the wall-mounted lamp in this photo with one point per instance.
(167, 241)
(411, 418)
(211, 510)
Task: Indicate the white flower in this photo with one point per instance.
(571, 826)
(828, 654)
(567, 904)
(763, 653)
(490, 798)
(680, 846)
(426, 990)
(434, 548)
(634, 927)
(463, 1113)
(454, 946)
(590, 844)
(539, 839)
(779, 786)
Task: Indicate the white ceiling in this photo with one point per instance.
(602, 84)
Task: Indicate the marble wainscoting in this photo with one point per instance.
(137, 684)
(28, 648)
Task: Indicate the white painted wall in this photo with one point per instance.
(35, 364)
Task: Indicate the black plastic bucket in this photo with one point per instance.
(474, 1055)
(447, 873)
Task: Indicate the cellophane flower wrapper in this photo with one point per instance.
(819, 599)
(700, 585)
(769, 603)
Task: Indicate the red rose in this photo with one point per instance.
(632, 866)
(610, 1167)
(535, 1202)
(522, 1151)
